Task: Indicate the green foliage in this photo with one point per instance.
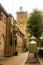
(33, 24)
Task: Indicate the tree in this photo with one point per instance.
(33, 25)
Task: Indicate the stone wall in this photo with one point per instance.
(21, 21)
(21, 24)
(2, 35)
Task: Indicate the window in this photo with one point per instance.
(15, 40)
(0, 15)
(5, 19)
(0, 42)
(11, 39)
(0, 18)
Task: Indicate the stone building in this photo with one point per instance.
(21, 21)
(21, 24)
(8, 40)
(20, 41)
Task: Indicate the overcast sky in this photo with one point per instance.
(12, 6)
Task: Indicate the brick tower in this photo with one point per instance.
(21, 24)
(21, 20)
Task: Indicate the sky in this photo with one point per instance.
(12, 6)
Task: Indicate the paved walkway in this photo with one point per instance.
(41, 61)
(15, 60)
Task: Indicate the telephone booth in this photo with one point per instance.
(33, 45)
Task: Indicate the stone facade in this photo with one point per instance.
(3, 19)
(20, 39)
(21, 21)
(21, 24)
(12, 37)
(7, 37)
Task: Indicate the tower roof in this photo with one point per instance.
(33, 37)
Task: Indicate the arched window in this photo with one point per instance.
(1, 16)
